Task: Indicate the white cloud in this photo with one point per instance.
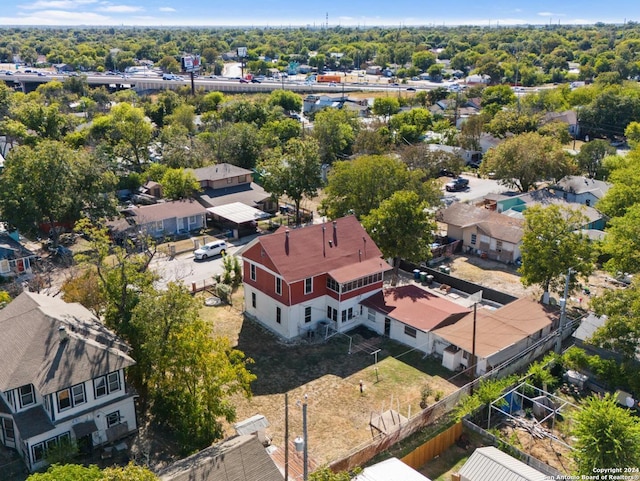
(551, 14)
(57, 17)
(56, 4)
(120, 9)
(167, 9)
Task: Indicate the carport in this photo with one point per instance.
(237, 217)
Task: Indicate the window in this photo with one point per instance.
(371, 315)
(192, 219)
(64, 400)
(113, 379)
(410, 331)
(334, 315)
(159, 226)
(27, 396)
(37, 452)
(253, 300)
(350, 313)
(77, 392)
(113, 418)
(329, 309)
(7, 429)
(104, 385)
(68, 398)
(278, 315)
(587, 202)
(499, 246)
(308, 285)
(474, 238)
(344, 316)
(252, 272)
(333, 285)
(307, 314)
(229, 180)
(278, 286)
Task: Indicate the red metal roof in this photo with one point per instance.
(416, 307)
(342, 247)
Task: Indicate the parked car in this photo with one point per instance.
(255, 81)
(457, 185)
(218, 247)
(244, 81)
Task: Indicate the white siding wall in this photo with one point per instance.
(265, 312)
(422, 342)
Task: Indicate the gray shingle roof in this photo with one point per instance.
(498, 226)
(32, 351)
(491, 464)
(242, 458)
(32, 422)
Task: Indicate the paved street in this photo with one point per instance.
(478, 188)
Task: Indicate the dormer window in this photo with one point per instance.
(27, 395)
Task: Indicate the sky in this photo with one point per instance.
(279, 13)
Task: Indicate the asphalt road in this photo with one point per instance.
(478, 188)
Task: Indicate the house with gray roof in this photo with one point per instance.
(163, 219)
(223, 184)
(515, 205)
(483, 231)
(62, 379)
(241, 458)
(580, 190)
(491, 464)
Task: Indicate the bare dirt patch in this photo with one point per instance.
(338, 413)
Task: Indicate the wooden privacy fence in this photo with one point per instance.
(434, 447)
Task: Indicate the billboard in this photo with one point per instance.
(242, 52)
(191, 63)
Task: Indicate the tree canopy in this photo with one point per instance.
(607, 436)
(552, 244)
(521, 161)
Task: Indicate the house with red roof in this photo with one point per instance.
(409, 314)
(297, 281)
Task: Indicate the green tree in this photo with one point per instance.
(401, 228)
(325, 474)
(386, 107)
(621, 331)
(238, 144)
(519, 162)
(76, 472)
(336, 131)
(511, 121)
(294, 172)
(622, 242)
(360, 185)
(179, 184)
(289, 101)
(423, 60)
(552, 244)
(51, 183)
(494, 98)
(607, 436)
(191, 375)
(632, 133)
(591, 156)
(126, 130)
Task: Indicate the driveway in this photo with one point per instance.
(184, 268)
(478, 189)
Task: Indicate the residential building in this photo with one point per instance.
(62, 379)
(515, 205)
(580, 190)
(491, 464)
(314, 103)
(500, 334)
(166, 218)
(391, 469)
(15, 259)
(241, 458)
(223, 184)
(297, 281)
(569, 117)
(484, 231)
(409, 313)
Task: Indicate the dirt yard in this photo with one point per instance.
(338, 413)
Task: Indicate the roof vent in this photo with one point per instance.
(62, 334)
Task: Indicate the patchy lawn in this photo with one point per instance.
(450, 461)
(338, 414)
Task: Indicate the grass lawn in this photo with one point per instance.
(338, 414)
